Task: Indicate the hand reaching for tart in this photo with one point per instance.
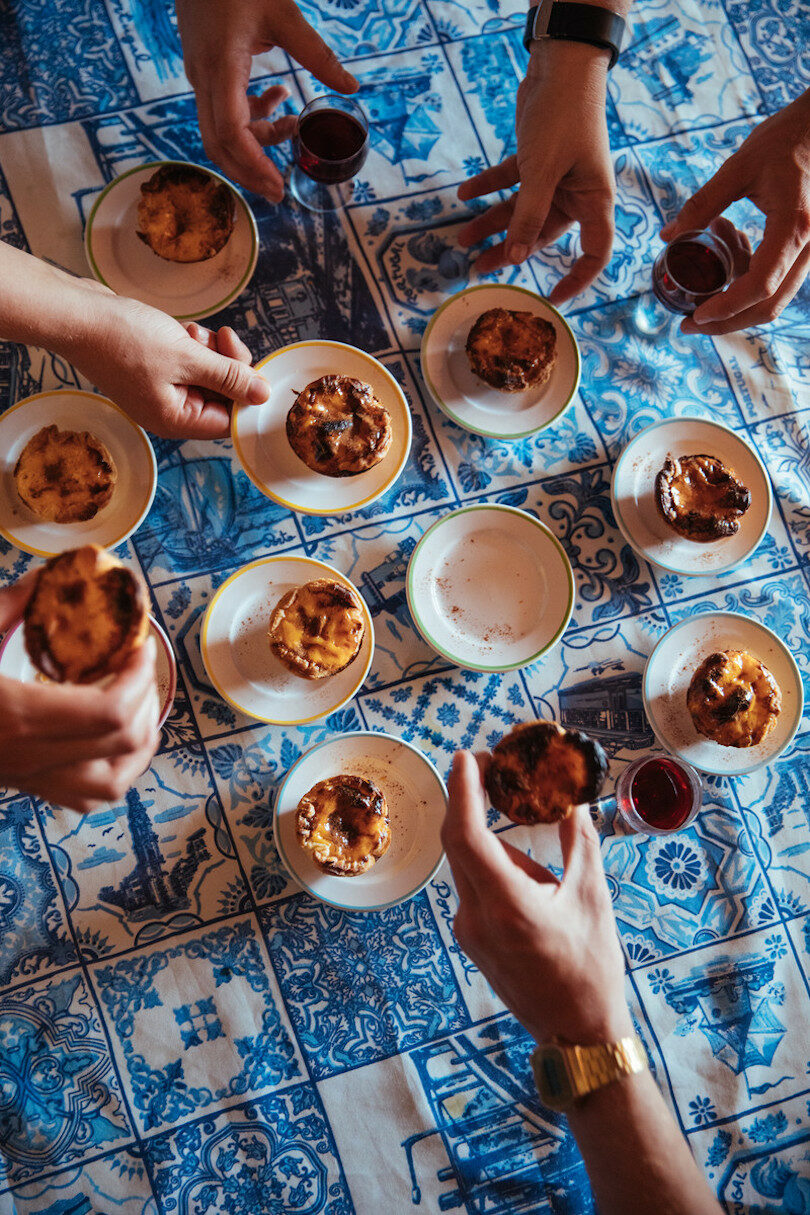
(548, 946)
(73, 745)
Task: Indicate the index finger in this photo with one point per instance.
(307, 47)
(467, 840)
(770, 264)
(225, 119)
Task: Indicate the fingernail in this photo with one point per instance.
(258, 390)
(274, 197)
(518, 254)
(667, 230)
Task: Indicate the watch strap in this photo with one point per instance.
(576, 23)
(564, 1073)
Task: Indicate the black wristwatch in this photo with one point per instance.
(575, 23)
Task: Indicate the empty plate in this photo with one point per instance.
(669, 672)
(632, 492)
(417, 800)
(490, 588)
(466, 398)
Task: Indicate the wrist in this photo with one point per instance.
(558, 63)
(591, 1029)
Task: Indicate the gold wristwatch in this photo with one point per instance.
(565, 1073)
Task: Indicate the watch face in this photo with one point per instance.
(553, 1080)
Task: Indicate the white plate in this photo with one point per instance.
(15, 664)
(490, 588)
(465, 398)
(632, 494)
(188, 291)
(259, 432)
(237, 655)
(417, 800)
(668, 674)
(128, 445)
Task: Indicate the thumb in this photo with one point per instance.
(532, 205)
(708, 202)
(14, 598)
(232, 379)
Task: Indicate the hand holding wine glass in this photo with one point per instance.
(220, 38)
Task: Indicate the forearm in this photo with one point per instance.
(637, 1160)
(40, 305)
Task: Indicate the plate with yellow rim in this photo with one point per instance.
(15, 664)
(259, 432)
(490, 588)
(237, 655)
(126, 442)
(188, 291)
(468, 400)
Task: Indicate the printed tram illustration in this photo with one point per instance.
(608, 707)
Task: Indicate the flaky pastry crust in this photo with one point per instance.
(343, 823)
(65, 476)
(317, 629)
(538, 772)
(734, 699)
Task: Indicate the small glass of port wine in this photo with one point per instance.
(691, 269)
(330, 146)
(659, 794)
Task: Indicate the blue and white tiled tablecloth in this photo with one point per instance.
(181, 1029)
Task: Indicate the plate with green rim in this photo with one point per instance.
(490, 588)
(416, 797)
(633, 497)
(188, 291)
(470, 402)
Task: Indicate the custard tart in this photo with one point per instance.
(65, 476)
(512, 351)
(700, 498)
(185, 214)
(538, 772)
(338, 427)
(734, 699)
(86, 615)
(343, 824)
(317, 629)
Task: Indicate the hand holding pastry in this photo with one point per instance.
(220, 38)
(562, 169)
(76, 746)
(549, 948)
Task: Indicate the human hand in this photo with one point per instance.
(77, 746)
(220, 38)
(548, 948)
(176, 381)
(562, 168)
(772, 169)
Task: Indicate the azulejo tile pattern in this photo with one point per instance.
(182, 1029)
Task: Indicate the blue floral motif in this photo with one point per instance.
(718, 1150)
(766, 1129)
(775, 947)
(660, 980)
(702, 1110)
(674, 866)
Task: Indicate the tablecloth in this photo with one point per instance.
(181, 1028)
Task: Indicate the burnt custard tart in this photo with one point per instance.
(65, 476)
(86, 615)
(338, 427)
(700, 498)
(512, 351)
(317, 629)
(733, 699)
(343, 823)
(538, 772)
(185, 214)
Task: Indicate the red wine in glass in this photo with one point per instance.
(659, 794)
(690, 270)
(330, 147)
